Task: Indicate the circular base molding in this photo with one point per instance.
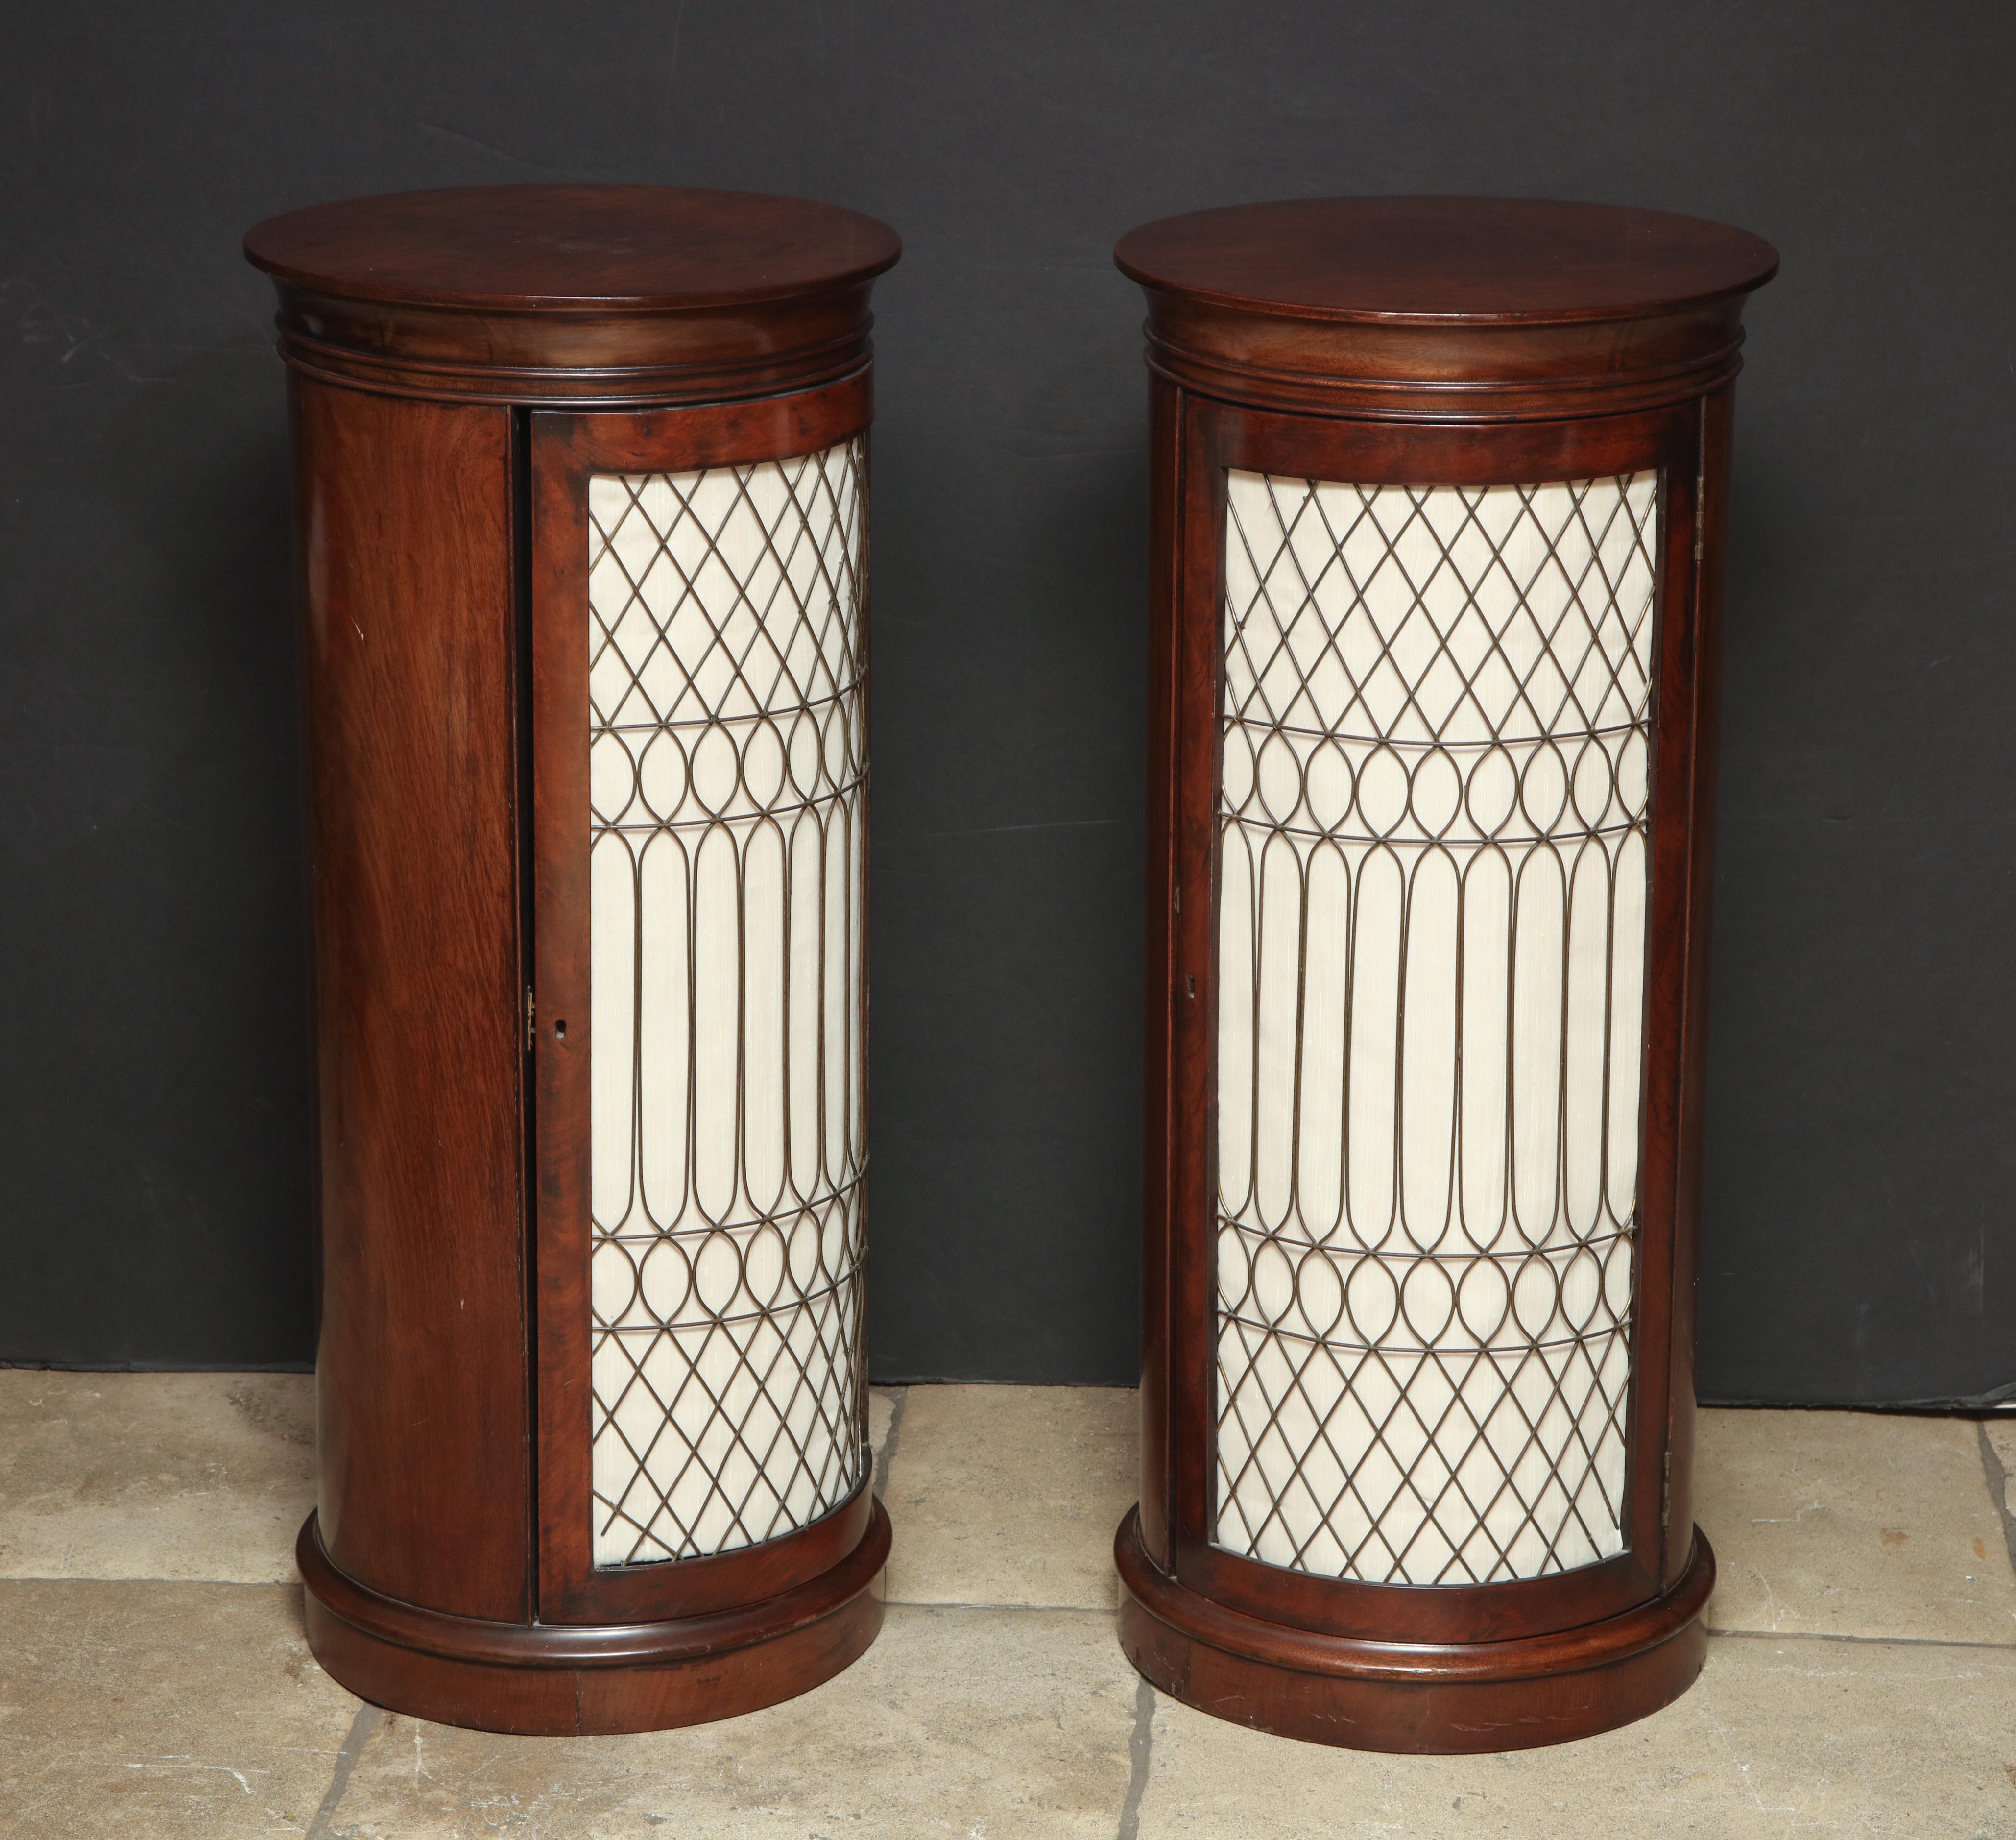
(1441, 1697)
(557, 1679)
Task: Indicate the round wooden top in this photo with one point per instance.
(1434, 261)
(649, 247)
(588, 294)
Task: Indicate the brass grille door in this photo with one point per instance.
(726, 767)
(699, 664)
(1432, 893)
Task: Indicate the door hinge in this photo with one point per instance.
(1666, 1493)
(530, 1039)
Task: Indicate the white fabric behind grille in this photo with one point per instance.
(726, 763)
(1431, 933)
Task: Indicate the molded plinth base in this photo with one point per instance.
(558, 1680)
(1395, 1696)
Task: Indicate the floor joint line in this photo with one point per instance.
(1141, 1741)
(1876, 1641)
(887, 1454)
(1992, 1467)
(1041, 1609)
(361, 1728)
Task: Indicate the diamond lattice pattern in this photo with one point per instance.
(1432, 901)
(726, 757)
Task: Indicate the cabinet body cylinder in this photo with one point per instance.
(583, 514)
(1439, 491)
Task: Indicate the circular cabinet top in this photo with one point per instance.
(1457, 308)
(531, 246)
(586, 292)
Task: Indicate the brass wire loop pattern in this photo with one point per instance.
(727, 768)
(1433, 876)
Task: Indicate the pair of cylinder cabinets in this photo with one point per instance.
(1439, 488)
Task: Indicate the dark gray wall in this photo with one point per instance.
(154, 1129)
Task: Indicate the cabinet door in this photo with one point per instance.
(1426, 1246)
(698, 740)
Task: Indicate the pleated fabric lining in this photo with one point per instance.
(1433, 884)
(727, 763)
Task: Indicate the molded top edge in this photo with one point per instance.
(1443, 261)
(525, 248)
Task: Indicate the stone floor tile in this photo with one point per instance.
(1852, 1524)
(1011, 1494)
(1779, 1740)
(161, 1711)
(192, 1476)
(1011, 1725)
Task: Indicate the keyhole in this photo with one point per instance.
(559, 1029)
(1192, 983)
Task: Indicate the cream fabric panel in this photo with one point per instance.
(1432, 914)
(726, 764)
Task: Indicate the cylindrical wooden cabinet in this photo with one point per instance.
(583, 522)
(1440, 488)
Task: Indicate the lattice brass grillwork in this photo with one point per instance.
(1433, 888)
(727, 763)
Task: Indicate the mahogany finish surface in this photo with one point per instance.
(579, 294)
(546, 1679)
(446, 643)
(1446, 1697)
(643, 247)
(409, 663)
(1442, 308)
(1512, 261)
(1425, 342)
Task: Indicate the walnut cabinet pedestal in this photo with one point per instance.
(1440, 488)
(583, 517)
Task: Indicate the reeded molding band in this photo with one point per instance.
(575, 358)
(1449, 1698)
(1598, 376)
(856, 1576)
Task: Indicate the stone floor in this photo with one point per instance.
(153, 1680)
